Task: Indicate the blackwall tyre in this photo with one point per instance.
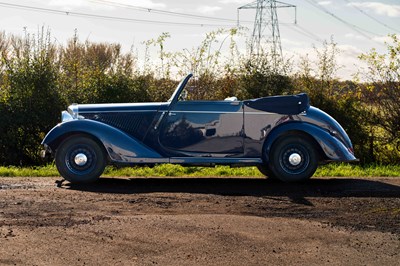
(79, 159)
(266, 171)
(293, 158)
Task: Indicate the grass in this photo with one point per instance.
(348, 170)
(168, 170)
(36, 171)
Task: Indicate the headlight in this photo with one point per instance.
(73, 110)
(66, 116)
(70, 114)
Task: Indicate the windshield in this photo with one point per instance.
(177, 89)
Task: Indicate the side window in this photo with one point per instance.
(203, 90)
(197, 90)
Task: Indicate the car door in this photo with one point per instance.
(203, 128)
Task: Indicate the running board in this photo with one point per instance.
(197, 160)
(214, 160)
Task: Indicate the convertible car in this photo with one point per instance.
(283, 136)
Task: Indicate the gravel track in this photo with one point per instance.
(200, 221)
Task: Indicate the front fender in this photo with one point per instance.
(332, 147)
(119, 146)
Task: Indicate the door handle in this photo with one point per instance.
(171, 114)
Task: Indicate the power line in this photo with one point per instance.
(93, 16)
(164, 12)
(266, 20)
(299, 29)
(361, 31)
(371, 17)
(307, 32)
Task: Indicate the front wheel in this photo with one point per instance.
(293, 158)
(79, 159)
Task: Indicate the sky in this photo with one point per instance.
(356, 26)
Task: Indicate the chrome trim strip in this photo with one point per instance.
(259, 113)
(222, 112)
(117, 111)
(196, 112)
(207, 112)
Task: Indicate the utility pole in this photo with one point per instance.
(266, 36)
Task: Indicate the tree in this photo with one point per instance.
(383, 88)
(30, 102)
(382, 91)
(260, 77)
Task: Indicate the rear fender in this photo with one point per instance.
(332, 147)
(119, 146)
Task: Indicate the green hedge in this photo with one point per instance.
(39, 79)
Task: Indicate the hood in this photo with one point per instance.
(76, 111)
(115, 107)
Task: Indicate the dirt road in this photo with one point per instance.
(204, 221)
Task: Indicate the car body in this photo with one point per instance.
(283, 136)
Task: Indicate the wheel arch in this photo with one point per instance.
(61, 138)
(319, 138)
(303, 134)
(119, 147)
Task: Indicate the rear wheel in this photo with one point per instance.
(265, 171)
(79, 159)
(293, 158)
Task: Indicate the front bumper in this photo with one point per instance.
(46, 152)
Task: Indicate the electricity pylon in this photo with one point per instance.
(266, 37)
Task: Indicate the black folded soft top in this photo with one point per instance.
(287, 105)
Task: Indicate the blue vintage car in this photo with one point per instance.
(283, 136)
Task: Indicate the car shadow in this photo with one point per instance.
(316, 187)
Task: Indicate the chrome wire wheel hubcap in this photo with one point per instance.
(295, 159)
(80, 159)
